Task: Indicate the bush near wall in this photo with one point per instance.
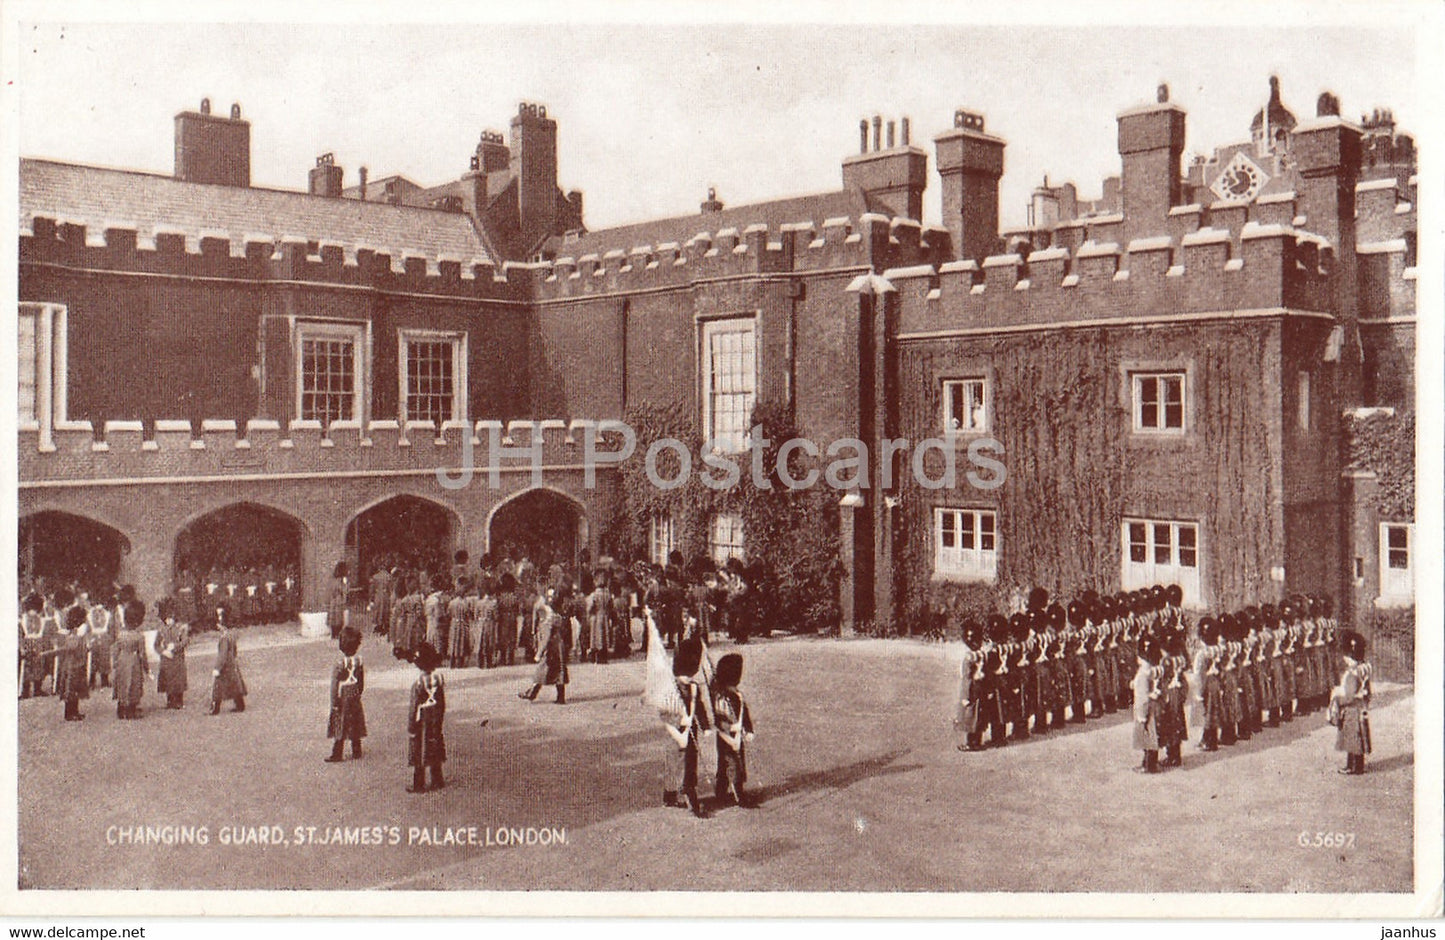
(1392, 643)
(791, 536)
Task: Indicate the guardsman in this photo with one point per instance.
(734, 731)
(1014, 712)
(1289, 671)
(1059, 669)
(1229, 679)
(1211, 692)
(967, 714)
(226, 679)
(1080, 644)
(685, 727)
(71, 681)
(1176, 697)
(1350, 705)
(996, 680)
(425, 716)
(172, 639)
(32, 644)
(1146, 705)
(347, 719)
(101, 639)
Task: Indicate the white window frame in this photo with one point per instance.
(52, 371)
(742, 325)
(661, 537)
(1137, 378)
(981, 407)
(458, 339)
(733, 541)
(973, 556)
(1171, 570)
(358, 333)
(1397, 585)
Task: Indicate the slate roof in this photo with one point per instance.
(95, 196)
(817, 208)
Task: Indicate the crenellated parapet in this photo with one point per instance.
(134, 451)
(1384, 211)
(841, 243)
(123, 247)
(1207, 271)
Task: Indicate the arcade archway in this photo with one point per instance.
(409, 531)
(63, 548)
(540, 524)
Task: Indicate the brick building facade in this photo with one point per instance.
(1200, 377)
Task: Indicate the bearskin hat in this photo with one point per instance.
(1174, 595)
(165, 609)
(729, 670)
(75, 617)
(972, 632)
(126, 593)
(1056, 616)
(1209, 630)
(350, 641)
(1229, 628)
(340, 571)
(461, 557)
(1149, 651)
(1078, 613)
(996, 627)
(1038, 599)
(1018, 626)
(426, 657)
(1354, 646)
(33, 603)
(688, 657)
(135, 614)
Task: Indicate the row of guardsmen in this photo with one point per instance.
(252, 595)
(1050, 665)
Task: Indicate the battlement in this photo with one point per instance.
(166, 251)
(1385, 210)
(218, 449)
(798, 248)
(1206, 271)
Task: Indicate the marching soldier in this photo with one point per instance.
(226, 679)
(734, 731)
(685, 727)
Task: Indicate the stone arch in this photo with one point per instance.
(63, 546)
(245, 534)
(545, 523)
(410, 529)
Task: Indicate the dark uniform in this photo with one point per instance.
(427, 748)
(347, 720)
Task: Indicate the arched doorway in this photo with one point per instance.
(63, 548)
(408, 531)
(540, 524)
(246, 554)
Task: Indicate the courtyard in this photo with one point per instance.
(861, 789)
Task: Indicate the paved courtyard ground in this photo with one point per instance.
(855, 759)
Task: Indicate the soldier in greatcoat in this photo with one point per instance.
(132, 666)
(72, 682)
(227, 682)
(967, 711)
(1146, 705)
(172, 639)
(1350, 705)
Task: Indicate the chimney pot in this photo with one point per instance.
(877, 132)
(235, 112)
(205, 105)
(891, 126)
(905, 132)
(863, 136)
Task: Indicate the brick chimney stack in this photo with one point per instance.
(896, 175)
(325, 177)
(212, 149)
(534, 164)
(970, 163)
(1151, 147)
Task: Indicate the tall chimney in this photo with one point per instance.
(970, 163)
(877, 132)
(213, 149)
(534, 165)
(863, 136)
(362, 173)
(1151, 148)
(325, 177)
